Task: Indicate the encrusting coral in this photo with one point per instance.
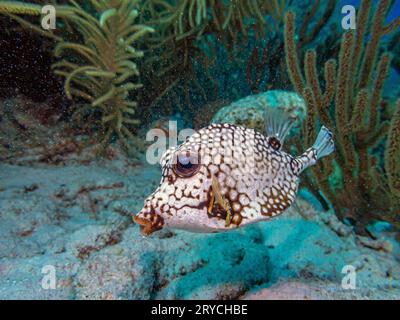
(250, 111)
(349, 101)
(99, 69)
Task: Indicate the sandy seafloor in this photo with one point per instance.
(76, 217)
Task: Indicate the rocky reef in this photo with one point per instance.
(77, 218)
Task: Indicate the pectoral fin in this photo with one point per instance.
(221, 200)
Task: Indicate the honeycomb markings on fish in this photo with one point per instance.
(258, 180)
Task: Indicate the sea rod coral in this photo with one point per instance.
(350, 102)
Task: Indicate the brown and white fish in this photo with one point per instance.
(226, 176)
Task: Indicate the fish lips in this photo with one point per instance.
(149, 221)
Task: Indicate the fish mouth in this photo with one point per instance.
(149, 221)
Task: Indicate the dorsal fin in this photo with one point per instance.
(278, 123)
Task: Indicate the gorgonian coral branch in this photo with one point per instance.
(392, 155)
(355, 117)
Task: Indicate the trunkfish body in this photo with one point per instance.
(226, 176)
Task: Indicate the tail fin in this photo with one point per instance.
(322, 147)
(277, 123)
(324, 144)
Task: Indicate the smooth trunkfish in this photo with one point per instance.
(226, 176)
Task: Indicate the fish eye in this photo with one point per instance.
(187, 164)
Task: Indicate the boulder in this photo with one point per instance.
(249, 111)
